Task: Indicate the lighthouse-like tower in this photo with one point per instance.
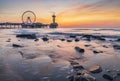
(53, 24)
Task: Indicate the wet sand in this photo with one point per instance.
(53, 60)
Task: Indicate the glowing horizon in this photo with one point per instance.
(70, 13)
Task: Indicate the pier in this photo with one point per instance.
(22, 25)
(29, 22)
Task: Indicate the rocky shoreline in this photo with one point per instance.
(75, 50)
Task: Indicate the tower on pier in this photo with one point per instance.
(53, 24)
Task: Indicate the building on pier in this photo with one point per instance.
(53, 24)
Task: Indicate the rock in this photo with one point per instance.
(71, 78)
(28, 36)
(77, 40)
(108, 70)
(9, 40)
(87, 45)
(17, 46)
(59, 46)
(99, 38)
(45, 39)
(88, 77)
(108, 77)
(69, 40)
(72, 36)
(82, 77)
(116, 47)
(80, 50)
(114, 75)
(74, 63)
(78, 67)
(118, 73)
(62, 39)
(118, 39)
(97, 51)
(95, 69)
(88, 37)
(105, 46)
(36, 40)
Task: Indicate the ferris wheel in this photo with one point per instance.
(28, 17)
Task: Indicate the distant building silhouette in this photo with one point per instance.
(53, 24)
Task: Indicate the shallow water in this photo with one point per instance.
(49, 61)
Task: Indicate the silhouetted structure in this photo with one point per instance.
(53, 24)
(27, 22)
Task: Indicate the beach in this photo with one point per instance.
(53, 54)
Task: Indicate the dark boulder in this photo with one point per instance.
(88, 37)
(74, 63)
(17, 46)
(80, 50)
(28, 36)
(9, 40)
(69, 40)
(36, 40)
(87, 45)
(108, 77)
(97, 51)
(62, 39)
(118, 39)
(99, 38)
(45, 39)
(116, 47)
(78, 67)
(72, 36)
(77, 40)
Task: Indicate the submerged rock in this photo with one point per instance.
(116, 47)
(72, 36)
(88, 77)
(45, 39)
(95, 69)
(80, 50)
(17, 46)
(105, 46)
(108, 77)
(9, 40)
(74, 63)
(87, 45)
(69, 40)
(88, 37)
(77, 40)
(28, 36)
(59, 46)
(62, 39)
(36, 40)
(97, 51)
(118, 39)
(82, 77)
(99, 38)
(78, 67)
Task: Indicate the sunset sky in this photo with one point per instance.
(70, 13)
